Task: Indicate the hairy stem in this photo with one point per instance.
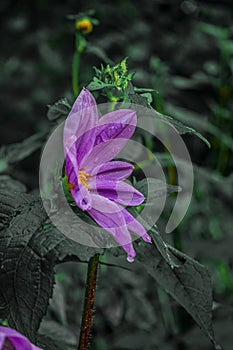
(88, 303)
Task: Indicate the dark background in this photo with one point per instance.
(172, 50)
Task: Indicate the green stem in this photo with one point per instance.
(88, 303)
(75, 73)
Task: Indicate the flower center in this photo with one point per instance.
(83, 178)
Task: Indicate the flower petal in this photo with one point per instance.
(114, 170)
(82, 197)
(72, 170)
(112, 134)
(135, 226)
(119, 191)
(2, 339)
(18, 340)
(80, 125)
(111, 219)
(119, 118)
(108, 213)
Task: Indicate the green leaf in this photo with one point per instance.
(142, 90)
(200, 122)
(214, 30)
(62, 334)
(46, 343)
(98, 85)
(19, 151)
(29, 249)
(189, 283)
(180, 127)
(157, 187)
(9, 184)
(59, 110)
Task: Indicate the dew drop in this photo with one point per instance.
(130, 258)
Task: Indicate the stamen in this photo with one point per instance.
(83, 178)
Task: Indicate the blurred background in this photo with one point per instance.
(184, 50)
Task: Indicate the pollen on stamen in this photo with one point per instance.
(83, 178)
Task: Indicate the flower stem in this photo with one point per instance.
(88, 303)
(75, 73)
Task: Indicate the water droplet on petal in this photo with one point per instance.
(130, 258)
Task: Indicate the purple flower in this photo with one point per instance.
(96, 182)
(12, 340)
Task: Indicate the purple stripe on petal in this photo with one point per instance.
(114, 171)
(82, 197)
(112, 134)
(106, 213)
(72, 171)
(119, 192)
(20, 343)
(18, 340)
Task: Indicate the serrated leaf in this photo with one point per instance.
(189, 284)
(29, 250)
(46, 343)
(16, 152)
(9, 184)
(59, 333)
(157, 187)
(180, 127)
(98, 85)
(138, 99)
(58, 110)
(203, 124)
(157, 239)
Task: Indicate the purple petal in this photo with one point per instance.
(120, 118)
(20, 343)
(80, 125)
(119, 236)
(2, 339)
(18, 340)
(82, 197)
(111, 219)
(135, 226)
(72, 170)
(114, 131)
(102, 153)
(119, 191)
(106, 213)
(83, 101)
(114, 170)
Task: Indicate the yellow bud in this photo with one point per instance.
(84, 26)
(113, 99)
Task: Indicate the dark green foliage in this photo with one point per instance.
(182, 51)
(16, 152)
(188, 282)
(29, 249)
